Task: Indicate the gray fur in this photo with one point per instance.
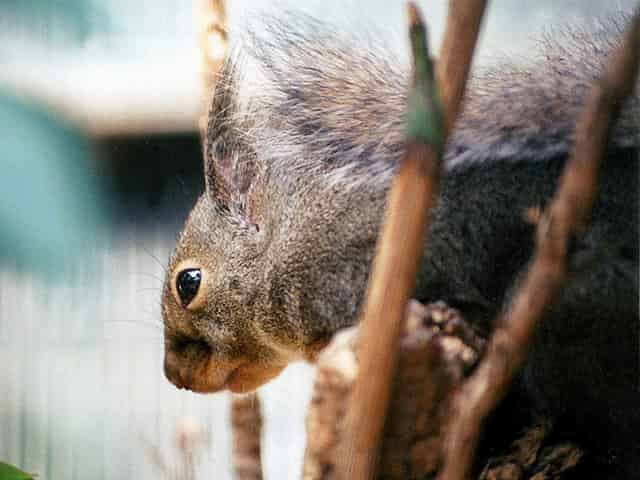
(299, 113)
(299, 153)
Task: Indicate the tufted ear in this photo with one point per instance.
(229, 160)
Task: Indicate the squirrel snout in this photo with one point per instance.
(193, 365)
(182, 361)
(172, 370)
(189, 364)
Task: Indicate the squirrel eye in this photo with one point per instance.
(188, 284)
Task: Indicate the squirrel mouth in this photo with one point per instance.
(243, 379)
(249, 376)
(211, 375)
(199, 373)
(206, 387)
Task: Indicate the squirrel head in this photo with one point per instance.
(268, 266)
(209, 302)
(213, 294)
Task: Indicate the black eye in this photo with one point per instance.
(187, 285)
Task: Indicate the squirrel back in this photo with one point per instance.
(319, 101)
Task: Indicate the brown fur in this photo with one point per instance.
(297, 167)
(297, 171)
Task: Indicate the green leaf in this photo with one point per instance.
(52, 206)
(9, 472)
(79, 17)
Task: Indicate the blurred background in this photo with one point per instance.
(99, 165)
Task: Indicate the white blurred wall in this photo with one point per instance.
(82, 393)
(140, 73)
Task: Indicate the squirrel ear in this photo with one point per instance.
(229, 161)
(229, 174)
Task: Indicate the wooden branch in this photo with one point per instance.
(432, 361)
(214, 44)
(530, 458)
(567, 216)
(246, 422)
(437, 347)
(456, 54)
(393, 272)
(394, 269)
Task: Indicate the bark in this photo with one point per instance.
(437, 349)
(246, 422)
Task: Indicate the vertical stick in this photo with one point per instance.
(246, 422)
(456, 53)
(213, 40)
(400, 248)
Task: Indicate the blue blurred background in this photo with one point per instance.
(99, 164)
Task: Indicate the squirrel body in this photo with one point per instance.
(275, 255)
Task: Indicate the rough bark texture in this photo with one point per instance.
(410, 201)
(437, 349)
(246, 421)
(214, 45)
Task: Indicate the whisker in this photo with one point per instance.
(143, 323)
(148, 289)
(147, 251)
(150, 275)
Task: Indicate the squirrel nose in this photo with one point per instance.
(183, 360)
(191, 366)
(172, 370)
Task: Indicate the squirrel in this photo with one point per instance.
(305, 131)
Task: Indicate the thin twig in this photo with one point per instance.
(456, 54)
(400, 248)
(213, 39)
(566, 217)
